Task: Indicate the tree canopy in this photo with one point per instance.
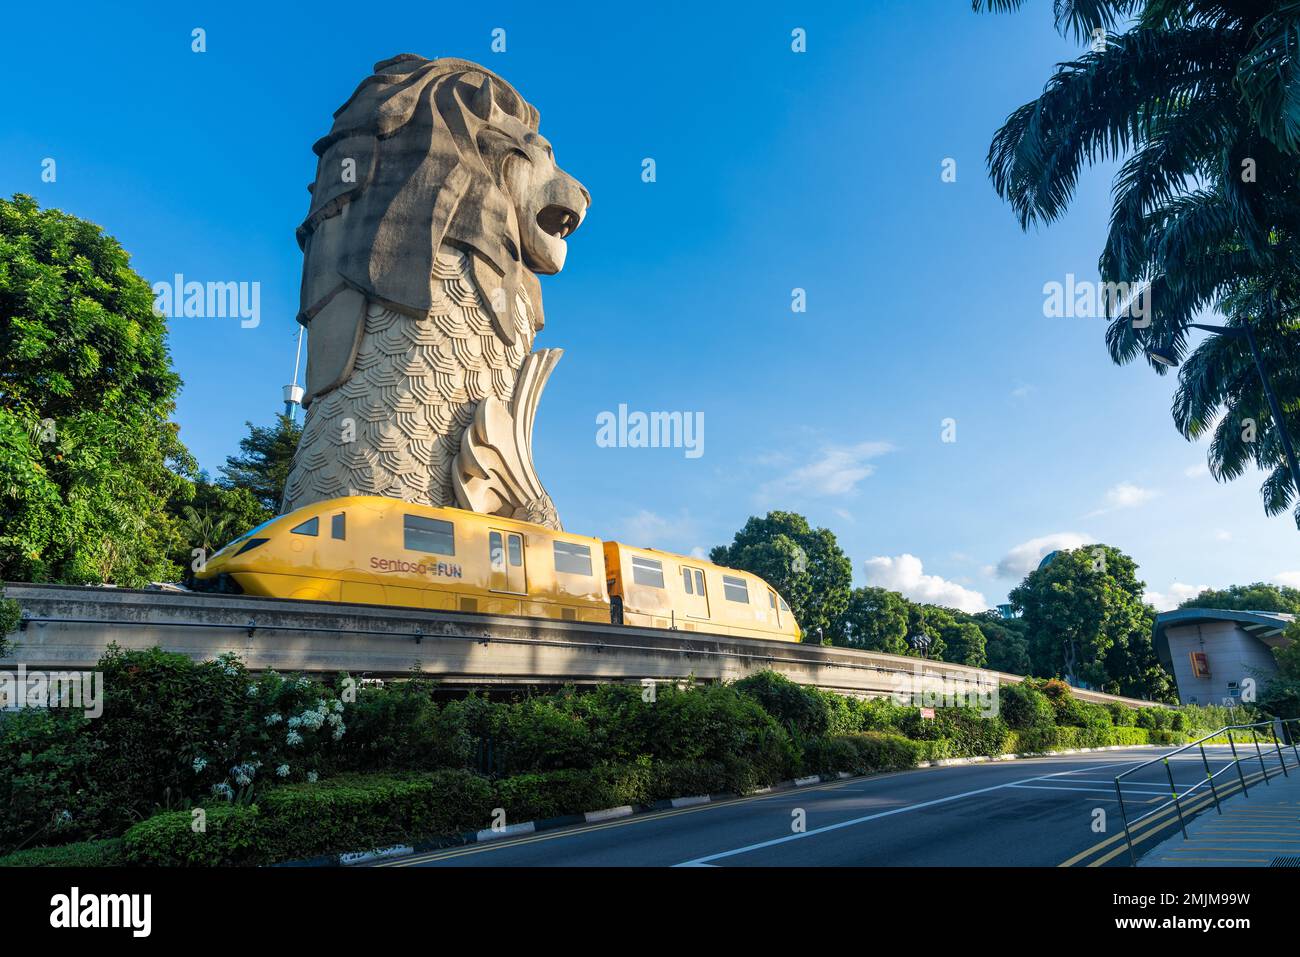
(1198, 100)
(87, 451)
(805, 565)
(1087, 620)
(1260, 596)
(262, 467)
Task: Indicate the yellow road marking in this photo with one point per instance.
(1164, 818)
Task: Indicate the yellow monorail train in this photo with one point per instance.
(382, 551)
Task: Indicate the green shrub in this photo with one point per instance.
(804, 712)
(1121, 716)
(527, 797)
(1023, 706)
(935, 749)
(231, 836)
(828, 755)
(882, 714)
(969, 733)
(47, 789)
(1128, 736)
(1035, 740)
(356, 812)
(879, 751)
(540, 734)
(670, 779)
(104, 853)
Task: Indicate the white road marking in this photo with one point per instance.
(879, 814)
(1046, 787)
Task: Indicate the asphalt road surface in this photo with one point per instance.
(1032, 812)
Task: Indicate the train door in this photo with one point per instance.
(506, 561)
(697, 600)
(775, 604)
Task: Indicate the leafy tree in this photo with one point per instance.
(925, 627)
(264, 463)
(87, 454)
(208, 516)
(964, 644)
(1090, 624)
(806, 566)
(874, 619)
(1281, 695)
(1197, 98)
(1260, 596)
(1006, 642)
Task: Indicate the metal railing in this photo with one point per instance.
(1277, 729)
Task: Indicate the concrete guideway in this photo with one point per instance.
(68, 628)
(1029, 812)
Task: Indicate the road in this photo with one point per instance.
(1031, 812)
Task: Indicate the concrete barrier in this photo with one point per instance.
(69, 627)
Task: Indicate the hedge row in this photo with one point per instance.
(354, 812)
(105, 853)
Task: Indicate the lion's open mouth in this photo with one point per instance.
(558, 221)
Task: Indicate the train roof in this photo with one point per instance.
(451, 513)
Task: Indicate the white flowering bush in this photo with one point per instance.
(290, 725)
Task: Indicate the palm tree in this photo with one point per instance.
(203, 529)
(1200, 99)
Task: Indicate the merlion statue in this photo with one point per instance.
(435, 206)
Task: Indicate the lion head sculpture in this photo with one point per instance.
(427, 153)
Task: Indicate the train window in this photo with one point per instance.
(496, 552)
(699, 582)
(686, 580)
(771, 599)
(516, 548)
(784, 606)
(339, 526)
(572, 559)
(422, 534)
(309, 527)
(647, 571)
(736, 589)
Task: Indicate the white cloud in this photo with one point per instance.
(1024, 558)
(906, 576)
(836, 470)
(1223, 535)
(1124, 495)
(1196, 471)
(1176, 595)
(1022, 391)
(1288, 578)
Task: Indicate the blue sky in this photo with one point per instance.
(775, 170)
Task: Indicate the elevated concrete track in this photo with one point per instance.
(69, 627)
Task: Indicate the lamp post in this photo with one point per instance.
(1166, 358)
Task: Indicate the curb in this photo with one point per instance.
(354, 858)
(609, 813)
(509, 830)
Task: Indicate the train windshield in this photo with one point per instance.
(250, 533)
